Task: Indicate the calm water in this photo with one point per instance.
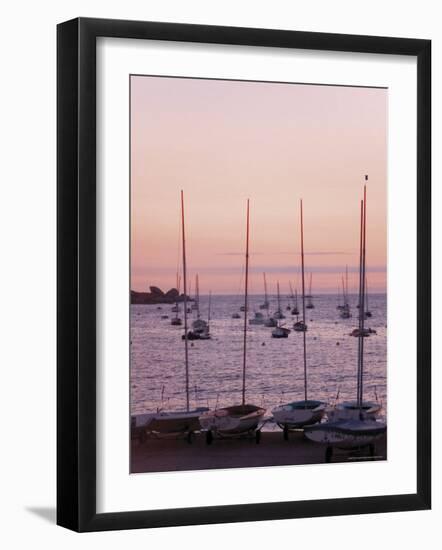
(274, 366)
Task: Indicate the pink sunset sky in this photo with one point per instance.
(225, 141)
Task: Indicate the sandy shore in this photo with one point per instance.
(165, 455)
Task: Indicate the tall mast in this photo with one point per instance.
(246, 289)
(346, 284)
(361, 305)
(303, 304)
(186, 345)
(279, 301)
(362, 315)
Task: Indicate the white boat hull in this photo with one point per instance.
(349, 410)
(170, 422)
(298, 416)
(346, 434)
(232, 420)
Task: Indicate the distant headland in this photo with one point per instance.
(157, 296)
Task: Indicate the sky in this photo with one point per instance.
(223, 142)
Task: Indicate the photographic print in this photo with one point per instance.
(258, 298)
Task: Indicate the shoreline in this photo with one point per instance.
(173, 455)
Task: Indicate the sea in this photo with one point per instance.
(274, 367)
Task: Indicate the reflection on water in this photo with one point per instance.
(274, 366)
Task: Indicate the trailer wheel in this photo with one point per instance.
(328, 454)
(209, 437)
(258, 437)
(286, 432)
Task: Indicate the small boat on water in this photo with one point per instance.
(345, 312)
(200, 327)
(309, 296)
(298, 414)
(278, 313)
(195, 304)
(299, 326)
(236, 316)
(368, 313)
(176, 321)
(175, 422)
(236, 420)
(270, 322)
(353, 425)
(265, 304)
(295, 309)
(362, 332)
(258, 319)
(205, 334)
(280, 332)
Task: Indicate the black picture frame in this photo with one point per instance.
(77, 287)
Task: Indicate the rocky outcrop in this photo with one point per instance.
(156, 296)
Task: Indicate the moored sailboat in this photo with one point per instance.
(295, 309)
(280, 332)
(265, 304)
(345, 309)
(278, 313)
(309, 296)
(176, 321)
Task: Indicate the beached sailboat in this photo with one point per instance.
(237, 419)
(353, 426)
(297, 414)
(177, 422)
